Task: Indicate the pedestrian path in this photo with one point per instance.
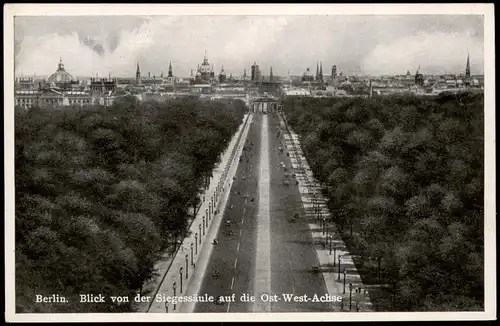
(176, 272)
(335, 262)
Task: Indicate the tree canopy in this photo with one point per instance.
(406, 173)
(101, 192)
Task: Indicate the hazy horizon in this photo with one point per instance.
(357, 44)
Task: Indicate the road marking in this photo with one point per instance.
(235, 263)
(238, 248)
(262, 273)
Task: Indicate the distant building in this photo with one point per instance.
(24, 84)
(62, 79)
(255, 72)
(222, 76)
(138, 75)
(102, 85)
(419, 78)
(307, 76)
(204, 73)
(467, 78)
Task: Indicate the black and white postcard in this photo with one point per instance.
(249, 162)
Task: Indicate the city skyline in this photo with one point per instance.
(289, 44)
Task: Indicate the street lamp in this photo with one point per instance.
(339, 267)
(199, 227)
(187, 259)
(207, 213)
(196, 243)
(334, 254)
(345, 274)
(192, 263)
(324, 225)
(203, 225)
(350, 296)
(174, 287)
(330, 238)
(180, 272)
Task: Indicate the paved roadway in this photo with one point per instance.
(288, 256)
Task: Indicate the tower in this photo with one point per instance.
(170, 73)
(317, 70)
(334, 72)
(245, 74)
(419, 78)
(467, 71)
(321, 72)
(271, 74)
(222, 75)
(138, 74)
(253, 71)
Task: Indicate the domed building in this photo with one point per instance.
(61, 78)
(204, 73)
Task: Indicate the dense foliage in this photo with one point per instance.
(404, 177)
(102, 192)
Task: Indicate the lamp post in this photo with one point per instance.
(174, 287)
(339, 267)
(203, 225)
(199, 227)
(207, 213)
(345, 274)
(180, 272)
(196, 243)
(350, 296)
(334, 255)
(358, 297)
(192, 262)
(330, 238)
(187, 259)
(324, 225)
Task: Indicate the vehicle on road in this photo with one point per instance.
(216, 274)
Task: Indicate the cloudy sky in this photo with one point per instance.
(361, 44)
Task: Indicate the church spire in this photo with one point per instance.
(170, 73)
(321, 71)
(271, 74)
(467, 67)
(317, 70)
(138, 73)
